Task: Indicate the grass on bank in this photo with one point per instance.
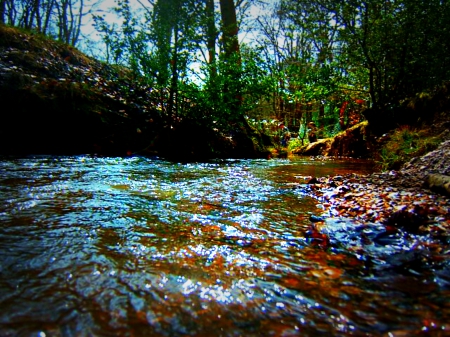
(404, 144)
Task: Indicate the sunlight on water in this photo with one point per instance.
(139, 247)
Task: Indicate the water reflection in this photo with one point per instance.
(138, 247)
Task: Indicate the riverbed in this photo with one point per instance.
(144, 247)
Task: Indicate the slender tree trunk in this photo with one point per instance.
(2, 10)
(48, 15)
(212, 35)
(62, 20)
(26, 20)
(174, 81)
(12, 13)
(299, 116)
(37, 14)
(75, 35)
(321, 119)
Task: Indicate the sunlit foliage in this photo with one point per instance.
(317, 61)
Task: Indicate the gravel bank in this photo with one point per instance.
(398, 199)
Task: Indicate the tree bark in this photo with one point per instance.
(232, 57)
(2, 10)
(230, 27)
(211, 33)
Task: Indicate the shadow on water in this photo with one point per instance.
(138, 247)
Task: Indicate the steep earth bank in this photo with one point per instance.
(56, 100)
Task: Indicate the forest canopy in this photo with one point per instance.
(306, 61)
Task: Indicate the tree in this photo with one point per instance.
(211, 34)
(375, 50)
(69, 16)
(231, 65)
(230, 28)
(299, 44)
(60, 19)
(159, 46)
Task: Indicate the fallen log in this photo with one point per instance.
(352, 142)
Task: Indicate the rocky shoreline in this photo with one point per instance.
(391, 204)
(391, 221)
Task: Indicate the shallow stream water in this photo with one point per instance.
(140, 247)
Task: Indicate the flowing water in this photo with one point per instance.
(139, 247)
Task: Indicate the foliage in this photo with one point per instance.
(162, 46)
(301, 51)
(396, 43)
(321, 60)
(127, 45)
(295, 143)
(374, 51)
(212, 102)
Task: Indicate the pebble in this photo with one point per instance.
(377, 197)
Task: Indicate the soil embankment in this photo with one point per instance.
(56, 100)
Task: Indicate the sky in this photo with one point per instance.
(91, 41)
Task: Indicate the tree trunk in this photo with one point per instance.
(37, 15)
(230, 27)
(212, 35)
(47, 17)
(2, 10)
(321, 119)
(173, 89)
(232, 90)
(77, 25)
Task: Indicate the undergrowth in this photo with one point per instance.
(404, 144)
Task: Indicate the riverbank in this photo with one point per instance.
(59, 101)
(392, 206)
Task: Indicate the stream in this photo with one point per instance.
(144, 247)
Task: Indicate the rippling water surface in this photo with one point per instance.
(140, 247)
